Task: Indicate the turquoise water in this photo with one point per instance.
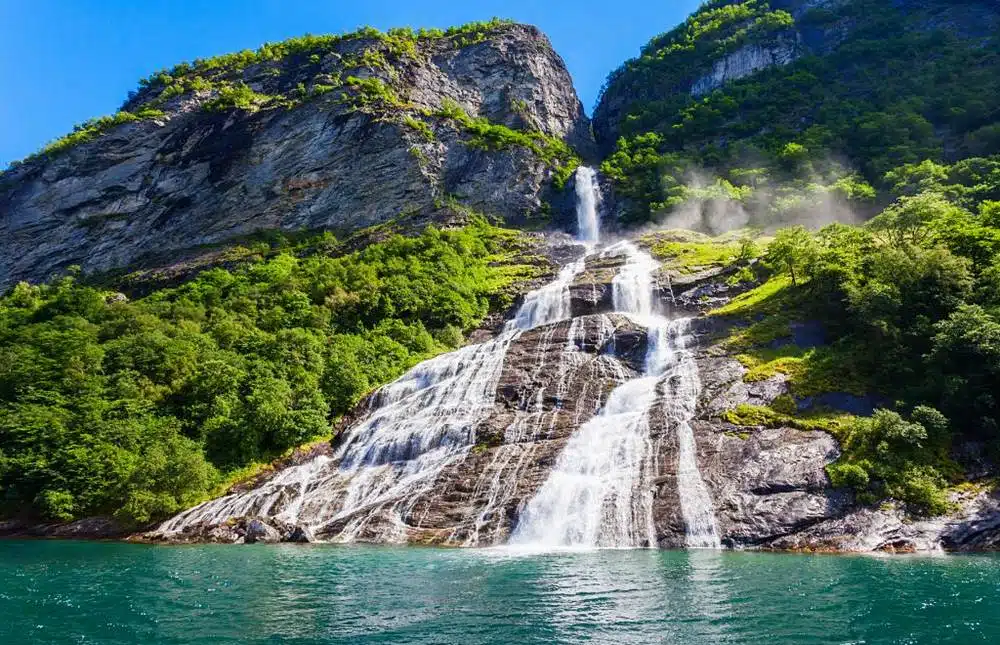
(80, 592)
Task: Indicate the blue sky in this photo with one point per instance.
(62, 62)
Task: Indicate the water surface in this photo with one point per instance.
(85, 592)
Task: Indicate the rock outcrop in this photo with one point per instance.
(356, 134)
(745, 62)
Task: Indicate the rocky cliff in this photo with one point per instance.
(319, 133)
(728, 41)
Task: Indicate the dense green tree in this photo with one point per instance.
(964, 369)
(133, 408)
(895, 85)
(892, 456)
(793, 251)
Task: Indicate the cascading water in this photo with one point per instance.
(599, 494)
(588, 203)
(593, 496)
(416, 427)
(378, 483)
(697, 510)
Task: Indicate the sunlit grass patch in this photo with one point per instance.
(760, 300)
(831, 421)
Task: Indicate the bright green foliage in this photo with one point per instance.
(95, 128)
(420, 127)
(398, 41)
(372, 92)
(896, 89)
(772, 417)
(888, 456)
(911, 306)
(129, 408)
(964, 364)
(792, 250)
(485, 135)
(687, 251)
(238, 96)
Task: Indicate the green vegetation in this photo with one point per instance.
(887, 456)
(911, 305)
(310, 48)
(239, 97)
(757, 415)
(383, 56)
(96, 127)
(892, 91)
(689, 252)
(484, 135)
(138, 409)
(420, 127)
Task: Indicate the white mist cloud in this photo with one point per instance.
(716, 207)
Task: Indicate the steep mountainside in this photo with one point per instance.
(436, 378)
(336, 132)
(777, 92)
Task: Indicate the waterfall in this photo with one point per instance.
(415, 428)
(600, 492)
(697, 510)
(588, 203)
(380, 481)
(597, 494)
(549, 303)
(632, 288)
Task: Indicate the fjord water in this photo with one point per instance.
(106, 593)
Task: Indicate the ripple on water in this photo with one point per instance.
(58, 592)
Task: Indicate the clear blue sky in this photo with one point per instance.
(64, 61)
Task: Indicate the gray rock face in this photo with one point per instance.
(302, 535)
(147, 191)
(745, 62)
(258, 531)
(765, 483)
(88, 527)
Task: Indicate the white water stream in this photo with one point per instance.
(588, 205)
(599, 493)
